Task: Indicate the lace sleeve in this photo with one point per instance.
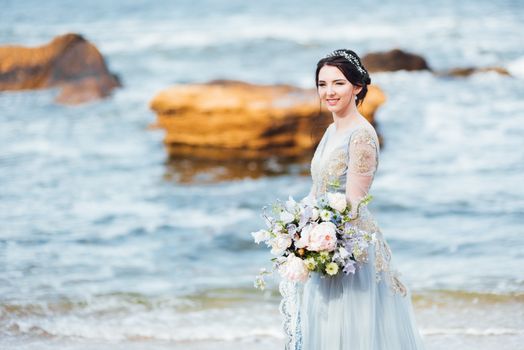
(362, 165)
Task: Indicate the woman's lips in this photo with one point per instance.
(332, 101)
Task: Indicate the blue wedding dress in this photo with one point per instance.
(368, 310)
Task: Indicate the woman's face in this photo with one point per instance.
(335, 90)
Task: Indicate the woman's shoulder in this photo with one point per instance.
(365, 133)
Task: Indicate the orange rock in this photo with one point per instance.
(231, 119)
(69, 61)
(374, 99)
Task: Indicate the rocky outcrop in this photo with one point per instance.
(68, 61)
(467, 71)
(222, 120)
(394, 60)
(397, 59)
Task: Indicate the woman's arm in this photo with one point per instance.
(362, 164)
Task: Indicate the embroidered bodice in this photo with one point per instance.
(346, 162)
(349, 155)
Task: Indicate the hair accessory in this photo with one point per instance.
(352, 59)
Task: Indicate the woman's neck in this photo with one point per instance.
(346, 119)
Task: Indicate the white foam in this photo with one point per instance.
(162, 324)
(516, 67)
(472, 331)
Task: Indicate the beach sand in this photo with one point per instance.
(434, 342)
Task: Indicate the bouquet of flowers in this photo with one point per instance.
(309, 236)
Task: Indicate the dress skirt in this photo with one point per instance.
(355, 312)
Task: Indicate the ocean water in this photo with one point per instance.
(105, 244)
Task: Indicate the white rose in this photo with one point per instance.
(260, 236)
(294, 269)
(279, 244)
(337, 201)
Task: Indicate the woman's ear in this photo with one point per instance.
(357, 89)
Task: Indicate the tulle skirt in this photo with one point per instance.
(355, 312)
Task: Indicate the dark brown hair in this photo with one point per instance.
(349, 69)
(352, 73)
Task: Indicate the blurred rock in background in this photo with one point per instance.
(69, 61)
(221, 118)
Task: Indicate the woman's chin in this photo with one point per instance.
(333, 109)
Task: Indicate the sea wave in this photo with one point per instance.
(472, 331)
(516, 67)
(200, 316)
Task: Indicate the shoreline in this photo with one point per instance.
(446, 319)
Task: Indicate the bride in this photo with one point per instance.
(370, 309)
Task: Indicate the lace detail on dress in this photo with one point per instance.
(382, 265)
(350, 167)
(363, 158)
(367, 222)
(289, 309)
(328, 176)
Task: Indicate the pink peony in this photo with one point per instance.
(294, 269)
(303, 242)
(323, 237)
